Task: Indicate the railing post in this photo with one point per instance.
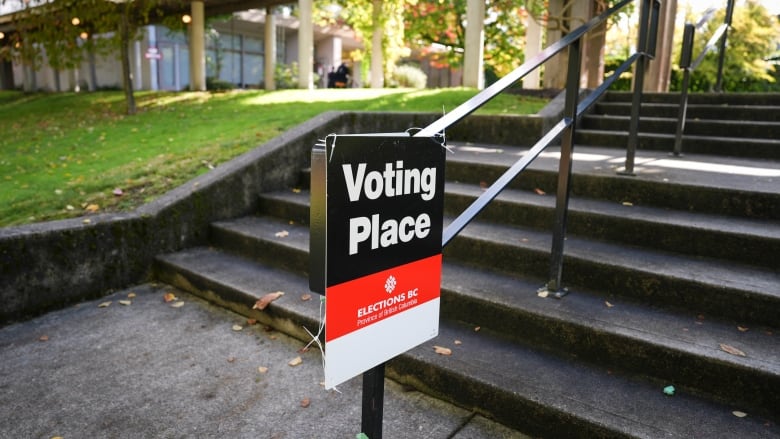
(722, 47)
(645, 27)
(564, 170)
(685, 65)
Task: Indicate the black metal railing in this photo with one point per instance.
(564, 129)
(718, 38)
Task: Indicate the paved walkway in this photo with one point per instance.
(150, 370)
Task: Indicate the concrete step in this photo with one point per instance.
(613, 333)
(661, 279)
(713, 287)
(766, 113)
(742, 241)
(728, 98)
(766, 148)
(698, 127)
(487, 371)
(746, 188)
(256, 238)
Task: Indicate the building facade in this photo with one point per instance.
(234, 51)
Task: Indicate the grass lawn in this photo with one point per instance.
(64, 155)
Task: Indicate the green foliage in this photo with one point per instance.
(442, 22)
(408, 76)
(429, 22)
(624, 82)
(286, 76)
(754, 36)
(216, 84)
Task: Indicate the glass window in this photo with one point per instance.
(253, 44)
(253, 70)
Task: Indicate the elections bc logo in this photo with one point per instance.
(390, 284)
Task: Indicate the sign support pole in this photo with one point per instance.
(373, 401)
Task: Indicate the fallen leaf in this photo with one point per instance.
(305, 402)
(743, 328)
(231, 359)
(477, 328)
(442, 351)
(731, 350)
(237, 327)
(306, 297)
(295, 362)
(539, 191)
(92, 208)
(43, 338)
(609, 305)
(262, 369)
(265, 300)
(131, 295)
(628, 203)
(125, 302)
(56, 437)
(104, 304)
(282, 234)
(69, 207)
(296, 190)
(169, 297)
(739, 414)
(543, 293)
(458, 342)
(178, 304)
(251, 322)
(86, 221)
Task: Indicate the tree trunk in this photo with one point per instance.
(127, 78)
(377, 79)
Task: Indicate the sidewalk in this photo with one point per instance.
(150, 370)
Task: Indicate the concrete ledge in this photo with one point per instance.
(49, 265)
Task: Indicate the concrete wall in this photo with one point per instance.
(49, 265)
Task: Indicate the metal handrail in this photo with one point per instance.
(719, 37)
(564, 129)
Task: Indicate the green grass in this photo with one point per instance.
(62, 155)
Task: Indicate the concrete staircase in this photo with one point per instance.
(673, 279)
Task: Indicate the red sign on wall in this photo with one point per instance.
(376, 227)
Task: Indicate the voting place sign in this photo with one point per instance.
(376, 229)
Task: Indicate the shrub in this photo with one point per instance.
(286, 76)
(216, 84)
(409, 76)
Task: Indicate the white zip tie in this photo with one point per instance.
(315, 339)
